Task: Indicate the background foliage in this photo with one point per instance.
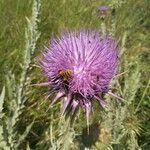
(26, 122)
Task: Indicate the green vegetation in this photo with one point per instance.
(26, 121)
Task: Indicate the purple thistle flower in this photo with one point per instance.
(103, 10)
(79, 67)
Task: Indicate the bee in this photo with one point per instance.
(64, 74)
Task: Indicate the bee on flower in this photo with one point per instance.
(64, 74)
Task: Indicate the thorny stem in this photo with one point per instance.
(144, 93)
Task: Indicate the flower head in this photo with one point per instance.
(102, 10)
(79, 67)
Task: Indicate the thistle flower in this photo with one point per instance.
(79, 67)
(102, 10)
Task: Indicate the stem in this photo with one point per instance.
(144, 93)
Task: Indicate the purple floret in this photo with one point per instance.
(102, 8)
(88, 59)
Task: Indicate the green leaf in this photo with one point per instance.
(2, 96)
(24, 135)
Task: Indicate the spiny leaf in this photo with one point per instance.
(24, 135)
(2, 96)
